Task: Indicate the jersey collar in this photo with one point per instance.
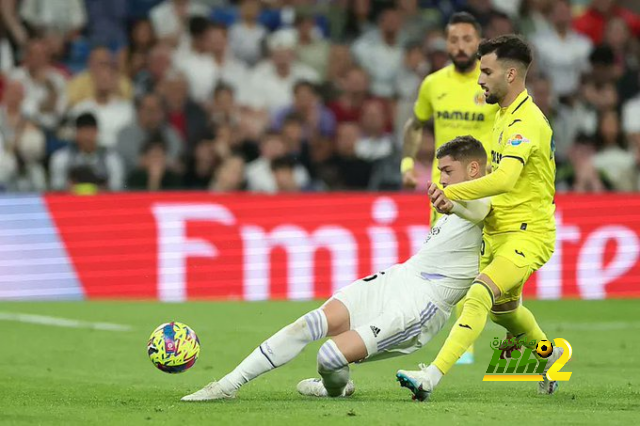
(515, 105)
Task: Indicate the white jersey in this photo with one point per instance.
(451, 250)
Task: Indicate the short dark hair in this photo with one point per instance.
(304, 83)
(509, 47)
(86, 120)
(198, 25)
(284, 162)
(223, 87)
(602, 55)
(464, 18)
(155, 141)
(463, 148)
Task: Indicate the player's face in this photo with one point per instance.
(462, 46)
(493, 78)
(451, 171)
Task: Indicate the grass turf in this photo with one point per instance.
(63, 376)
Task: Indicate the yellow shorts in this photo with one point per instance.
(509, 259)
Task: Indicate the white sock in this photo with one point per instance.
(333, 368)
(277, 350)
(434, 375)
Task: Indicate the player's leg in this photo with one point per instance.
(279, 349)
(497, 278)
(467, 358)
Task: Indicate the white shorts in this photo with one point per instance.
(394, 311)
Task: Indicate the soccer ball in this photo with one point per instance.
(544, 348)
(173, 347)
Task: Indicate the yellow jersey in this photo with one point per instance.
(521, 131)
(458, 107)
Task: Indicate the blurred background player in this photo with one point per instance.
(394, 312)
(453, 98)
(520, 230)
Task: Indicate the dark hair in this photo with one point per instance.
(198, 25)
(285, 162)
(464, 18)
(602, 55)
(293, 117)
(139, 100)
(85, 174)
(463, 148)
(222, 87)
(304, 83)
(155, 141)
(86, 120)
(510, 47)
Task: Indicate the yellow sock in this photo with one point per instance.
(467, 328)
(521, 323)
(459, 308)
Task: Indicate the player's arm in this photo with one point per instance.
(412, 136)
(500, 181)
(514, 157)
(474, 211)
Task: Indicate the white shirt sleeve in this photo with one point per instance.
(474, 211)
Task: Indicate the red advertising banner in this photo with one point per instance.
(186, 246)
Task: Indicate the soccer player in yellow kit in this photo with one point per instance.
(455, 101)
(519, 232)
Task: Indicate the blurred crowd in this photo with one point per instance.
(288, 95)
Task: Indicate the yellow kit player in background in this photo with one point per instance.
(455, 101)
(519, 232)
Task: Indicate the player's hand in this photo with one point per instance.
(440, 201)
(409, 179)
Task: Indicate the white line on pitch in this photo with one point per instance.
(62, 322)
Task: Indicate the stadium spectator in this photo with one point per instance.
(499, 24)
(112, 111)
(626, 51)
(159, 63)
(63, 17)
(352, 172)
(482, 10)
(83, 85)
(318, 120)
(437, 52)
(579, 174)
(23, 144)
(375, 143)
(201, 166)
(86, 152)
(229, 177)
(312, 49)
(562, 53)
(171, 19)
(533, 16)
(593, 21)
(133, 58)
(230, 70)
(259, 174)
(340, 62)
(424, 160)
(196, 62)
(357, 21)
(247, 35)
(612, 158)
(380, 53)
(413, 71)
(416, 21)
(150, 122)
(11, 21)
(45, 101)
(186, 116)
(107, 22)
(283, 169)
(630, 116)
(272, 81)
(154, 171)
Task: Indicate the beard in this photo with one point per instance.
(492, 99)
(463, 64)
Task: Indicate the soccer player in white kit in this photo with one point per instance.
(391, 313)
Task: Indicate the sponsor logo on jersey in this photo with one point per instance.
(517, 139)
(496, 157)
(479, 98)
(460, 115)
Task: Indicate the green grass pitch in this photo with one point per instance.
(68, 376)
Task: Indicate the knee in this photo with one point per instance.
(330, 358)
(479, 297)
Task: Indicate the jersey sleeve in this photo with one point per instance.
(423, 109)
(474, 211)
(520, 141)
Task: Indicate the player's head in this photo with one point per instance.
(504, 62)
(461, 159)
(463, 39)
